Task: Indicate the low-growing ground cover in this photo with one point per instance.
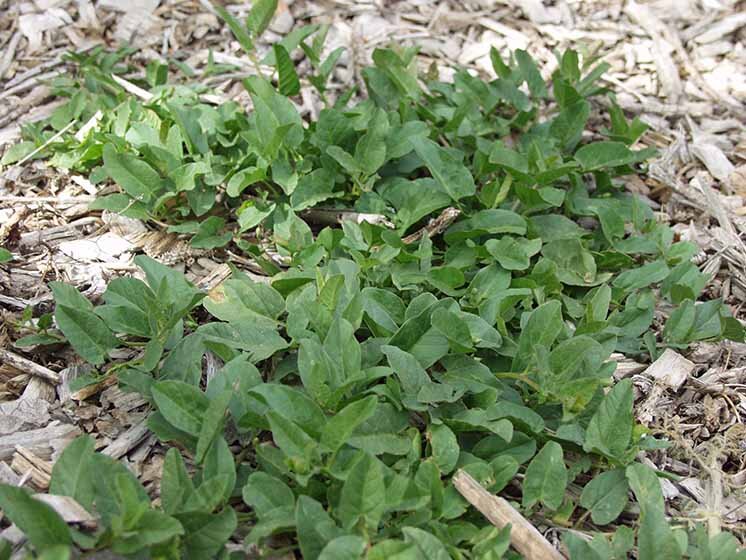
(487, 264)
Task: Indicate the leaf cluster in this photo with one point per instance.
(354, 382)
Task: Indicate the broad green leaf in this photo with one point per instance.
(87, 333)
(288, 436)
(370, 151)
(606, 496)
(484, 222)
(72, 473)
(176, 486)
(428, 545)
(504, 467)
(206, 534)
(212, 423)
(151, 528)
(5, 255)
(260, 16)
(655, 538)
(339, 428)
(608, 154)
(244, 178)
(546, 477)
(513, 253)
(450, 173)
(638, 278)
(610, 429)
(181, 404)
(236, 27)
(289, 84)
(363, 495)
(543, 326)
(346, 547)
(42, 525)
(292, 403)
(530, 73)
(133, 174)
(444, 446)
(266, 494)
(188, 119)
(17, 152)
(315, 527)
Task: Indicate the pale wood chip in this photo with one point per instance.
(524, 537)
(671, 369)
(42, 441)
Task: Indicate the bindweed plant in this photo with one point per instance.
(357, 380)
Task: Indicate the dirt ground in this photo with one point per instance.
(680, 65)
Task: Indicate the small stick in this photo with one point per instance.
(524, 537)
(135, 90)
(27, 366)
(27, 157)
(435, 226)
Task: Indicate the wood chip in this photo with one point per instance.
(671, 369)
(721, 28)
(27, 366)
(41, 442)
(68, 509)
(32, 467)
(524, 537)
(127, 441)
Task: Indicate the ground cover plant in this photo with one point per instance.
(462, 315)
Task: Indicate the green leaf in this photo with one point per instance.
(244, 178)
(267, 494)
(450, 173)
(346, 547)
(176, 486)
(72, 473)
(208, 235)
(504, 467)
(530, 73)
(370, 150)
(513, 253)
(655, 538)
(5, 255)
(133, 174)
(339, 428)
(606, 496)
(485, 222)
(546, 477)
(444, 446)
(39, 522)
(315, 527)
(608, 154)
(289, 83)
(87, 333)
(289, 437)
(188, 119)
(428, 545)
(454, 328)
(642, 277)
(260, 15)
(542, 328)
(363, 495)
(151, 528)
(212, 423)
(238, 30)
(17, 152)
(610, 429)
(183, 405)
(205, 535)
